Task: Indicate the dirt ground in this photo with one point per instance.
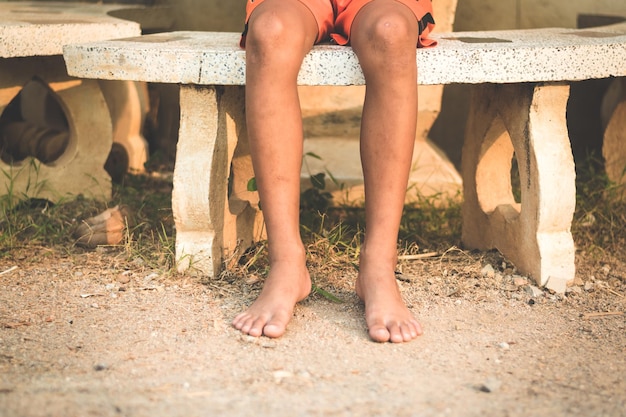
(96, 334)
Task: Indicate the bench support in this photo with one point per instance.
(525, 121)
(216, 217)
(128, 103)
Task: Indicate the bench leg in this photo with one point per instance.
(80, 169)
(527, 122)
(128, 105)
(614, 145)
(216, 217)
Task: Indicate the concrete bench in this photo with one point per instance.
(93, 115)
(520, 92)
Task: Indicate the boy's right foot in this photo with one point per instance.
(286, 285)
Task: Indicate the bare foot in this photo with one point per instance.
(387, 316)
(287, 284)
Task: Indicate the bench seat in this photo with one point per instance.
(520, 92)
(214, 58)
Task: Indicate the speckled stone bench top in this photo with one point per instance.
(212, 58)
(42, 28)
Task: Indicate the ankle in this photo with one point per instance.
(378, 259)
(380, 247)
(290, 256)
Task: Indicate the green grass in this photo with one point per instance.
(39, 223)
(599, 225)
(332, 235)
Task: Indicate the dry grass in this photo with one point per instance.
(332, 239)
(41, 224)
(599, 225)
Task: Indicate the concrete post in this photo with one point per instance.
(215, 218)
(535, 235)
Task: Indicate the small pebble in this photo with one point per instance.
(574, 290)
(519, 281)
(151, 276)
(533, 291)
(282, 374)
(488, 271)
(100, 367)
(490, 385)
(123, 278)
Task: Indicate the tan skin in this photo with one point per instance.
(384, 37)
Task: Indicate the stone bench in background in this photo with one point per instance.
(520, 91)
(614, 124)
(59, 132)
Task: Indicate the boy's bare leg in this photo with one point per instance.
(280, 34)
(384, 36)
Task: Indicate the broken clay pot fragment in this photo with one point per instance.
(107, 228)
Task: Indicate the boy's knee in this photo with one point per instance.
(394, 30)
(388, 33)
(274, 41)
(267, 29)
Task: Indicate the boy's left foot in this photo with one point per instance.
(387, 316)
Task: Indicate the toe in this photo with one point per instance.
(379, 333)
(239, 321)
(396, 333)
(256, 327)
(417, 328)
(408, 332)
(276, 325)
(273, 330)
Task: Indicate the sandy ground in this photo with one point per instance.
(97, 334)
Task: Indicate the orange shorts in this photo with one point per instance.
(334, 18)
